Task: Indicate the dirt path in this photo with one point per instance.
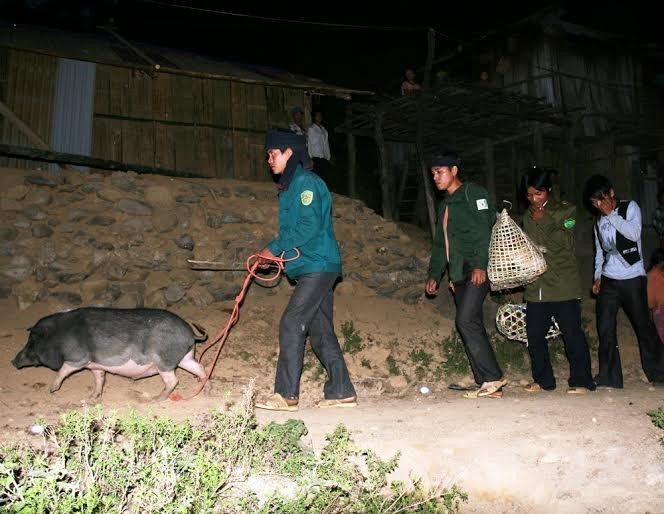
(549, 453)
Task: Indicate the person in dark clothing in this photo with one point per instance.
(620, 281)
(557, 293)
(461, 244)
(305, 224)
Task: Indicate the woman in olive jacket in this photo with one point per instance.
(557, 293)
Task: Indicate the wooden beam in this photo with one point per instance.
(38, 154)
(25, 129)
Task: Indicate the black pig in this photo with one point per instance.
(134, 343)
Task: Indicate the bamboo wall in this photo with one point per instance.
(211, 128)
(27, 83)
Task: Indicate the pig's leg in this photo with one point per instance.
(100, 375)
(63, 372)
(170, 381)
(188, 363)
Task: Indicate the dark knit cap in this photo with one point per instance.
(282, 139)
(444, 160)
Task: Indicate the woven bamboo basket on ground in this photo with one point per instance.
(514, 260)
(511, 322)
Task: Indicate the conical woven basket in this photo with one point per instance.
(514, 260)
(511, 322)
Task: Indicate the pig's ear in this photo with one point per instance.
(41, 329)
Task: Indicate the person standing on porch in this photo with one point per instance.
(319, 147)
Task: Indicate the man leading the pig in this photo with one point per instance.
(305, 223)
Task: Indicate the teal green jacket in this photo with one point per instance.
(555, 232)
(305, 223)
(470, 219)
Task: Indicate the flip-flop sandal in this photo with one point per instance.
(344, 403)
(488, 388)
(277, 402)
(577, 390)
(455, 386)
(473, 395)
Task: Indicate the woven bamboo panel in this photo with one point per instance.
(511, 322)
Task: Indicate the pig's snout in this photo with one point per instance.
(20, 361)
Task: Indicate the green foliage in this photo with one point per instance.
(657, 417)
(352, 340)
(421, 357)
(455, 360)
(511, 355)
(366, 363)
(392, 366)
(96, 462)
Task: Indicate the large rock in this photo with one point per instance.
(19, 268)
(51, 180)
(135, 207)
(160, 196)
(7, 234)
(164, 220)
(173, 294)
(39, 197)
(124, 181)
(103, 221)
(16, 193)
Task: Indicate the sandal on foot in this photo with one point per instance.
(342, 403)
(278, 402)
(488, 388)
(460, 386)
(577, 390)
(533, 387)
(474, 395)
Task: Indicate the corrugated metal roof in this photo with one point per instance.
(107, 49)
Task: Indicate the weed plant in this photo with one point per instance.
(100, 462)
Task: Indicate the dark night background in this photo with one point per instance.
(364, 58)
(371, 57)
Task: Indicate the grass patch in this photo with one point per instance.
(455, 360)
(98, 462)
(392, 366)
(657, 418)
(352, 340)
(366, 363)
(511, 355)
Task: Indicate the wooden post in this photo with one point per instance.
(419, 140)
(384, 170)
(23, 127)
(402, 189)
(489, 163)
(352, 155)
(424, 167)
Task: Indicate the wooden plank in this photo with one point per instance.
(37, 154)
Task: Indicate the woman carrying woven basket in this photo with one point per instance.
(550, 224)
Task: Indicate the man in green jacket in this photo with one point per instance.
(461, 244)
(305, 224)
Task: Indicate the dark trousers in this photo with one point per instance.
(568, 316)
(470, 324)
(631, 295)
(309, 312)
(322, 168)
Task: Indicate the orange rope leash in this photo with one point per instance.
(252, 264)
